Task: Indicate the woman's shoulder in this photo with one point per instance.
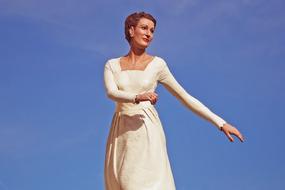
(112, 60)
(160, 62)
(160, 59)
(112, 63)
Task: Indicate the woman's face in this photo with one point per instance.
(142, 34)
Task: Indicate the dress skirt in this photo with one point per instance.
(136, 153)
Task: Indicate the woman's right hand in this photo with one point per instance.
(147, 96)
(228, 129)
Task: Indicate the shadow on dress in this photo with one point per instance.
(127, 123)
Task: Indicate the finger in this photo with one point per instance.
(241, 138)
(151, 100)
(154, 100)
(239, 135)
(147, 98)
(229, 137)
(147, 94)
(154, 95)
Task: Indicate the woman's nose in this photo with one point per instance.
(148, 33)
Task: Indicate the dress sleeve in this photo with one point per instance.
(112, 89)
(169, 82)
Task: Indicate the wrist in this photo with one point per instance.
(222, 126)
(137, 99)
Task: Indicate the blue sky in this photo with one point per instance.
(55, 116)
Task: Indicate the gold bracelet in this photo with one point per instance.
(221, 128)
(136, 100)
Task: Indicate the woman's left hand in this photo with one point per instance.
(228, 129)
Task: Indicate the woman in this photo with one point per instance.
(136, 153)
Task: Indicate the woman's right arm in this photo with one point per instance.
(167, 79)
(112, 89)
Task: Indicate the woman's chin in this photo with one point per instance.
(143, 46)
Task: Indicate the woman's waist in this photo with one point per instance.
(129, 107)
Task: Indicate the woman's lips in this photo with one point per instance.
(146, 40)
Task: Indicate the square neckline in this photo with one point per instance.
(146, 67)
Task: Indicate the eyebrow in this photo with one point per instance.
(146, 25)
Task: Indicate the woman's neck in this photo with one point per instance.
(135, 55)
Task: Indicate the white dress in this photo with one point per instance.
(136, 153)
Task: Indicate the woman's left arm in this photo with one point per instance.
(169, 82)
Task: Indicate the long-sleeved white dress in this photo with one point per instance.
(136, 153)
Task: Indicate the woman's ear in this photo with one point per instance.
(131, 31)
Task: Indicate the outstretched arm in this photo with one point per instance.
(170, 83)
(112, 89)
